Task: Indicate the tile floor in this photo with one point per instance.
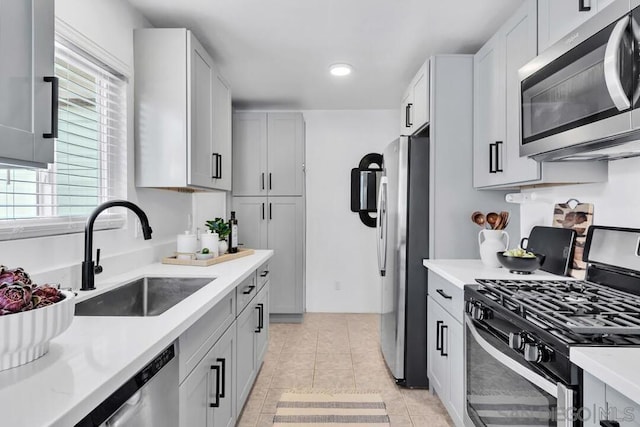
(330, 352)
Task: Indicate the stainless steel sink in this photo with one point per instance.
(148, 296)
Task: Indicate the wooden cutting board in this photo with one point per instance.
(207, 262)
(578, 218)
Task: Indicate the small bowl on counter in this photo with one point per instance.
(520, 265)
(201, 256)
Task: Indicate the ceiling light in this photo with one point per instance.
(340, 70)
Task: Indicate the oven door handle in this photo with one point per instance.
(543, 383)
(611, 64)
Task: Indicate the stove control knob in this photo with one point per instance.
(532, 352)
(536, 353)
(478, 312)
(517, 340)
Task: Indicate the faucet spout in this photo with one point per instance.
(88, 266)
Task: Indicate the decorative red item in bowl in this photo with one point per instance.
(30, 316)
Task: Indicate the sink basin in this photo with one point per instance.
(147, 296)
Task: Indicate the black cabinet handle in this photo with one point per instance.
(583, 7)
(220, 167)
(265, 273)
(224, 375)
(262, 180)
(269, 180)
(498, 160)
(443, 294)
(270, 212)
(491, 152)
(248, 289)
(260, 308)
(55, 85)
(406, 116)
(439, 324)
(216, 402)
(442, 351)
(263, 211)
(609, 423)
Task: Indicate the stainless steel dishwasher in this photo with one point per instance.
(149, 398)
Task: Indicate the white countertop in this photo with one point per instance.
(462, 272)
(614, 366)
(92, 358)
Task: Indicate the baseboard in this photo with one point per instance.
(286, 318)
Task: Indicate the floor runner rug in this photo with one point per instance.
(308, 409)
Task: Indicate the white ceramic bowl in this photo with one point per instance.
(26, 335)
(201, 256)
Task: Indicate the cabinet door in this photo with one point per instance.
(286, 238)
(249, 154)
(247, 323)
(222, 133)
(251, 213)
(457, 393)
(285, 154)
(556, 18)
(405, 113)
(437, 363)
(621, 408)
(520, 47)
(201, 168)
(488, 110)
(420, 89)
(27, 51)
(262, 337)
(212, 382)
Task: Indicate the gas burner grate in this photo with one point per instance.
(568, 306)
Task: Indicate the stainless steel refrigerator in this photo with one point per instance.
(403, 242)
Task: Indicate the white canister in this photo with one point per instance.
(209, 240)
(187, 243)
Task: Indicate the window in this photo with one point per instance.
(90, 155)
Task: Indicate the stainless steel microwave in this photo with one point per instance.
(580, 97)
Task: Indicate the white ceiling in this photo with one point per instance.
(276, 53)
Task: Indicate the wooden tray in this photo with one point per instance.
(207, 262)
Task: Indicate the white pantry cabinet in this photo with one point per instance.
(277, 223)
(556, 18)
(415, 103)
(496, 113)
(28, 111)
(268, 154)
(182, 113)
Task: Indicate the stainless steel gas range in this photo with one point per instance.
(519, 332)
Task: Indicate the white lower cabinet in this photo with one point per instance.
(445, 347)
(213, 391)
(207, 395)
(601, 402)
(252, 339)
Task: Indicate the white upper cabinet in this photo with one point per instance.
(497, 113)
(556, 18)
(415, 103)
(28, 111)
(183, 113)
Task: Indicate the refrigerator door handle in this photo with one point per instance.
(381, 226)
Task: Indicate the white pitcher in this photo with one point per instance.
(493, 242)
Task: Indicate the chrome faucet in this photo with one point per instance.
(89, 268)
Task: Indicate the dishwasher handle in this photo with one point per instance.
(126, 411)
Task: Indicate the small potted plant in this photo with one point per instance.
(221, 227)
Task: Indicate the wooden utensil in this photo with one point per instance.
(478, 218)
(492, 217)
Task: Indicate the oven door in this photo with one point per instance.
(502, 389)
(582, 88)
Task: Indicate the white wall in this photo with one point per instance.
(616, 202)
(108, 24)
(341, 251)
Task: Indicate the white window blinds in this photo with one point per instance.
(90, 155)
